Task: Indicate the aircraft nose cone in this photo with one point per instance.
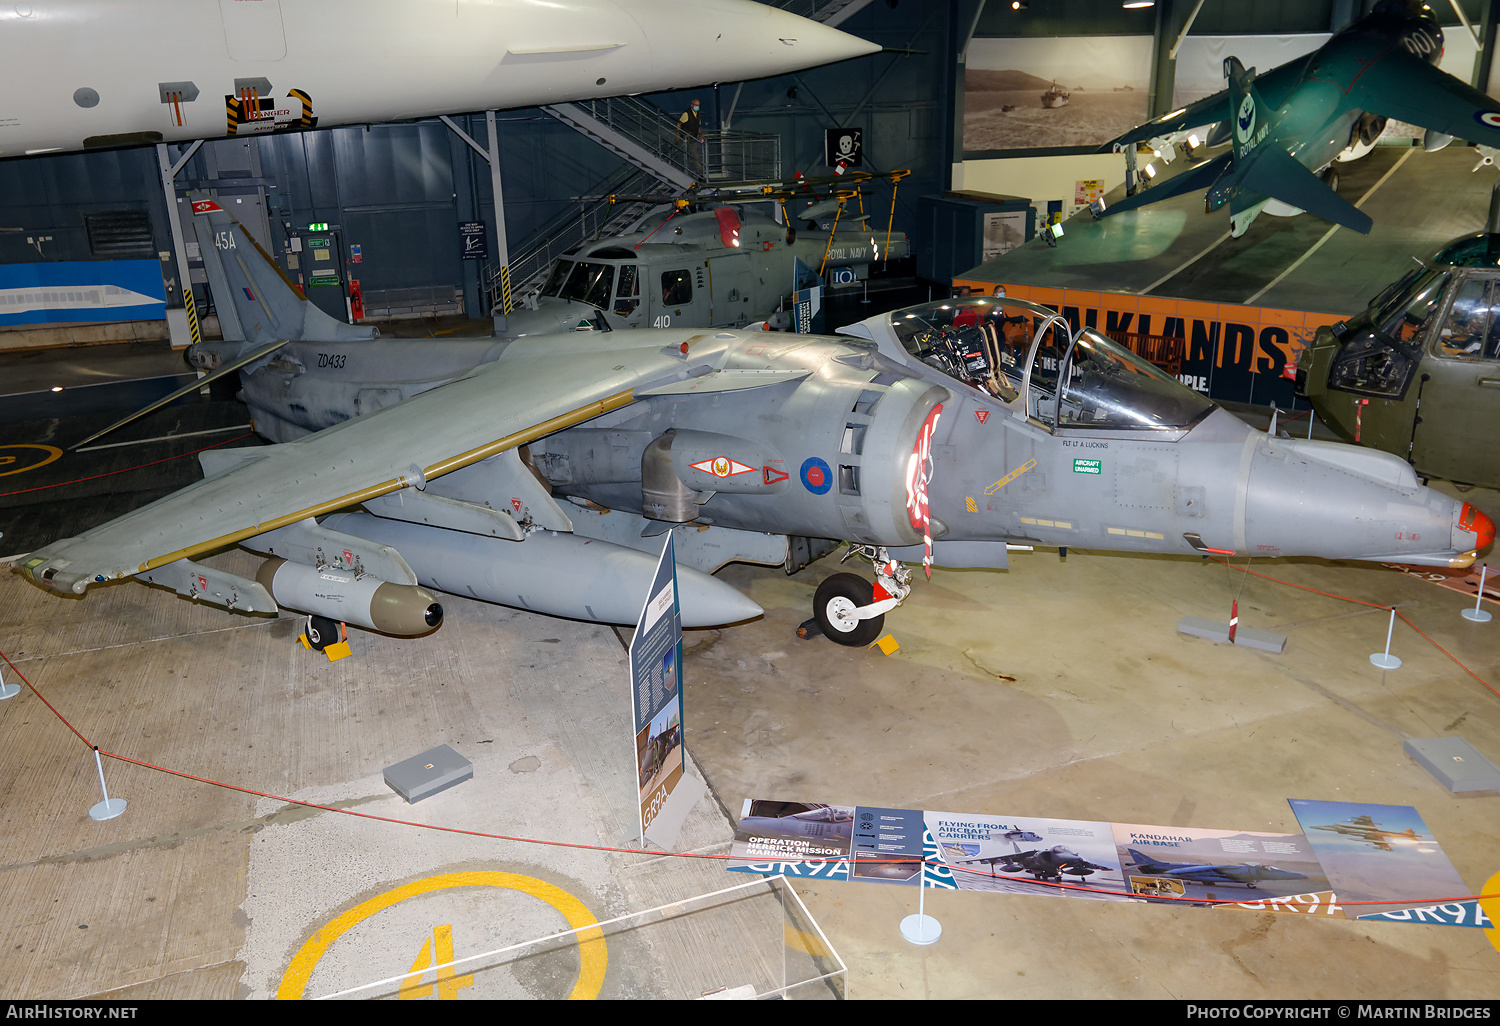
(732, 37)
(1479, 524)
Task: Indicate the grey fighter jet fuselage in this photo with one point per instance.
(942, 433)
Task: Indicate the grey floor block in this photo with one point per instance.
(423, 776)
(1458, 764)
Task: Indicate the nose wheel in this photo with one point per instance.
(850, 610)
(836, 607)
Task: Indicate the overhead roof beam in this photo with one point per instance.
(1464, 21)
(1172, 54)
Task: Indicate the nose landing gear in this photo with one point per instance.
(850, 610)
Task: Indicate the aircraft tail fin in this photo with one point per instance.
(1270, 171)
(1250, 119)
(257, 304)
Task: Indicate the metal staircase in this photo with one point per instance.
(641, 132)
(647, 138)
(660, 160)
(611, 206)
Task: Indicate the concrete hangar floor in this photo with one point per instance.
(1060, 688)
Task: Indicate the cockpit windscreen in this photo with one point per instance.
(986, 342)
(1107, 386)
(584, 282)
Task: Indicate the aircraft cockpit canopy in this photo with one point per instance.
(1013, 349)
(1482, 250)
(597, 283)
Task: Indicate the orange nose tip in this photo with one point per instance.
(1471, 519)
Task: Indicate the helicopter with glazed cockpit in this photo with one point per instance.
(727, 266)
(1417, 373)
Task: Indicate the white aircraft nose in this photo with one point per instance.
(729, 40)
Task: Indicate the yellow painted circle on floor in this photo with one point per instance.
(593, 956)
(1491, 908)
(27, 461)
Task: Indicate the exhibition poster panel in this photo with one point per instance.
(1375, 862)
(1026, 855)
(1384, 863)
(1184, 863)
(656, 692)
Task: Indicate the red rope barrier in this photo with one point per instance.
(48, 704)
(815, 860)
(1375, 605)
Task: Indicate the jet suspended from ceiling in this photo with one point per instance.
(1289, 125)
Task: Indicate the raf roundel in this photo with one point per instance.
(1488, 117)
(816, 477)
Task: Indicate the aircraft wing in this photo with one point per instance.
(534, 389)
(1196, 114)
(1191, 180)
(1403, 86)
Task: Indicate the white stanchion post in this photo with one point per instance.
(921, 928)
(1476, 614)
(7, 690)
(1385, 660)
(110, 807)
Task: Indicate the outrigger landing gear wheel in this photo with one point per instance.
(833, 607)
(321, 632)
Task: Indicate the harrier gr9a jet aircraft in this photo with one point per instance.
(1042, 863)
(85, 74)
(1289, 125)
(714, 267)
(541, 473)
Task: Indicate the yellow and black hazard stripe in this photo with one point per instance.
(308, 120)
(192, 312)
(506, 304)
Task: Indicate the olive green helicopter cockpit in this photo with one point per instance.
(1429, 342)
